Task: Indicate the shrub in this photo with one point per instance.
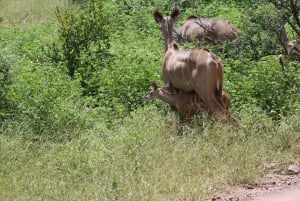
(48, 101)
(84, 34)
(265, 84)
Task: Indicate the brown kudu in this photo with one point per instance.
(186, 103)
(205, 30)
(192, 70)
(293, 50)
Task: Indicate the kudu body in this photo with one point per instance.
(205, 30)
(186, 103)
(293, 50)
(192, 70)
(292, 53)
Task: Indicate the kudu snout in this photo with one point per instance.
(147, 97)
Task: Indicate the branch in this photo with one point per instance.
(295, 12)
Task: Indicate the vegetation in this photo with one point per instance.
(74, 124)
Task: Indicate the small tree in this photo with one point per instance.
(269, 26)
(84, 34)
(290, 13)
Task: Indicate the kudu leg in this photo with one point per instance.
(174, 114)
(224, 116)
(215, 109)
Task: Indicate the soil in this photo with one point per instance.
(280, 186)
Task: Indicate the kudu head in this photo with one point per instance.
(166, 89)
(167, 24)
(153, 93)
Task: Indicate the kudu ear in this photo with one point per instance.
(175, 14)
(154, 85)
(157, 16)
(174, 45)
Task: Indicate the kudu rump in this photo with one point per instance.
(192, 70)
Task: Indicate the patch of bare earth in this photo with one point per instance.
(280, 186)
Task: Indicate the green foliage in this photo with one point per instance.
(137, 58)
(5, 81)
(85, 44)
(260, 36)
(47, 100)
(267, 28)
(264, 83)
(90, 32)
(289, 13)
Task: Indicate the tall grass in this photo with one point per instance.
(24, 12)
(145, 158)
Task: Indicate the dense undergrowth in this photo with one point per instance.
(91, 135)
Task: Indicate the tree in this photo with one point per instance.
(289, 14)
(85, 44)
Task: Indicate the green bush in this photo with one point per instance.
(47, 100)
(265, 84)
(116, 78)
(85, 44)
(260, 33)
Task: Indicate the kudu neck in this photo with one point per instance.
(167, 43)
(166, 96)
(168, 38)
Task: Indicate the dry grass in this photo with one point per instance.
(23, 12)
(143, 159)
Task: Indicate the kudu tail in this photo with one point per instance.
(220, 75)
(219, 89)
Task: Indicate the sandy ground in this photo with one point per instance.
(289, 195)
(273, 187)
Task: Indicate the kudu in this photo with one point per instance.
(192, 70)
(205, 30)
(292, 53)
(186, 103)
(293, 50)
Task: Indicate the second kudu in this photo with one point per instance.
(186, 103)
(205, 30)
(193, 70)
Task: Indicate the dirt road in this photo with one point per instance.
(273, 187)
(288, 195)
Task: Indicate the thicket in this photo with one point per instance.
(245, 72)
(266, 30)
